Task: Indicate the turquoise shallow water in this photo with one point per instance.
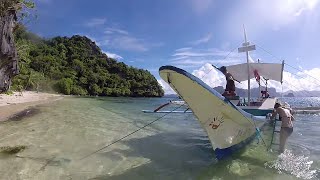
(175, 147)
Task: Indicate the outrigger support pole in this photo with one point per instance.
(160, 107)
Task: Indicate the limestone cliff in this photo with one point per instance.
(8, 53)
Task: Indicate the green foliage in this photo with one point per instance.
(20, 6)
(9, 92)
(65, 86)
(77, 66)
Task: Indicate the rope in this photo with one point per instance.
(291, 85)
(222, 60)
(304, 73)
(259, 134)
(130, 133)
(268, 52)
(296, 88)
(288, 64)
(302, 77)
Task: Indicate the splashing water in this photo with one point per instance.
(298, 166)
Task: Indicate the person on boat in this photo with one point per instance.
(265, 94)
(230, 87)
(286, 126)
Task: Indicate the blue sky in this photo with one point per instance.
(189, 33)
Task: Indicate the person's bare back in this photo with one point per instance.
(286, 117)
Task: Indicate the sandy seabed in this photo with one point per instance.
(10, 105)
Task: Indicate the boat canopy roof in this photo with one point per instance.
(270, 71)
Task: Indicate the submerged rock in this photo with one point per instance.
(25, 113)
(239, 168)
(12, 150)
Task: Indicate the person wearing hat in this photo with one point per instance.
(286, 125)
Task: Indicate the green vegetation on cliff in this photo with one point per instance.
(77, 66)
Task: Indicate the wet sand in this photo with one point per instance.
(18, 105)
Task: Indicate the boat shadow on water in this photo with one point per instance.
(171, 156)
(180, 156)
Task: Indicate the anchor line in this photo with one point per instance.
(222, 59)
(317, 79)
(118, 140)
(294, 87)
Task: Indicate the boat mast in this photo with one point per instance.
(246, 47)
(259, 81)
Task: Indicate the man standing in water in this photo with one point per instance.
(286, 126)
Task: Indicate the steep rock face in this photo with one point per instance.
(8, 53)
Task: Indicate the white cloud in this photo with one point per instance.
(95, 22)
(167, 89)
(191, 58)
(210, 75)
(113, 55)
(183, 49)
(117, 38)
(188, 63)
(214, 78)
(204, 39)
(250, 59)
(226, 45)
(201, 6)
(126, 43)
(116, 30)
(204, 52)
(199, 53)
(179, 58)
(120, 39)
(259, 16)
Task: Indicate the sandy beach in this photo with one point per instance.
(11, 105)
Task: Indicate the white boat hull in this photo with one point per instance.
(226, 125)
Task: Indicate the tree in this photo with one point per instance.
(65, 85)
(10, 12)
(21, 6)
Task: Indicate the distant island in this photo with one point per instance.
(77, 66)
(289, 95)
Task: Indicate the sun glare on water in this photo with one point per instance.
(298, 166)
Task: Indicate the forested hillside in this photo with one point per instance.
(77, 66)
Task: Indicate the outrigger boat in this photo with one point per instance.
(259, 107)
(229, 124)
